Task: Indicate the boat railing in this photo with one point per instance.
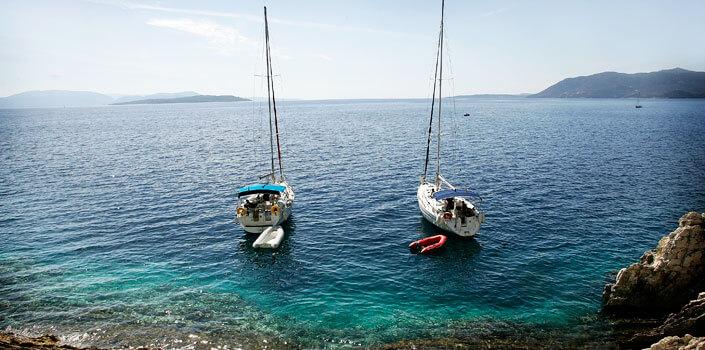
(269, 175)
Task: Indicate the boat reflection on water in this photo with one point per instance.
(455, 248)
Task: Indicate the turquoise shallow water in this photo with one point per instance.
(117, 222)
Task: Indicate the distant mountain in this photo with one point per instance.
(492, 96)
(188, 99)
(671, 83)
(55, 98)
(154, 96)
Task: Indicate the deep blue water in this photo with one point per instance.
(117, 223)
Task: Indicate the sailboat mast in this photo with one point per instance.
(274, 100)
(269, 92)
(440, 100)
(433, 104)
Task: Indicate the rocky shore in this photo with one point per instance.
(666, 285)
(19, 342)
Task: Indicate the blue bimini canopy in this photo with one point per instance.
(260, 188)
(456, 193)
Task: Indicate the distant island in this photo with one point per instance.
(492, 96)
(188, 99)
(671, 83)
(66, 98)
(55, 98)
(130, 98)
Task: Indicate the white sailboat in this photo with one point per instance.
(447, 207)
(267, 204)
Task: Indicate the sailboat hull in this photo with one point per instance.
(264, 215)
(463, 222)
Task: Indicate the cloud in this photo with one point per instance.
(130, 5)
(226, 39)
(494, 12)
(325, 57)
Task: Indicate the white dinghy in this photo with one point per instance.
(270, 238)
(451, 209)
(266, 205)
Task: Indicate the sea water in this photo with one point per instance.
(117, 224)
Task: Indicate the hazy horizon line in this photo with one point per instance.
(120, 95)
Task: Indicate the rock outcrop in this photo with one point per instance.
(665, 278)
(686, 342)
(689, 320)
(19, 342)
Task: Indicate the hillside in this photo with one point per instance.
(671, 83)
(54, 98)
(188, 99)
(491, 96)
(162, 95)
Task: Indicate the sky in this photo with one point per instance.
(337, 49)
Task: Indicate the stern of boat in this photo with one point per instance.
(258, 219)
(463, 219)
(258, 211)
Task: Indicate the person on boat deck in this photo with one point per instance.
(463, 211)
(467, 211)
(450, 204)
(470, 212)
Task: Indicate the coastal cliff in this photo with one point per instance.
(667, 283)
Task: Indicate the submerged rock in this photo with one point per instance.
(665, 278)
(15, 341)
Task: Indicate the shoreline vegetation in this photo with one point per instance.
(656, 303)
(675, 83)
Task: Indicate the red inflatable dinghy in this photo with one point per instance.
(429, 244)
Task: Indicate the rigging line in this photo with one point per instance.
(274, 103)
(422, 130)
(455, 149)
(282, 121)
(440, 101)
(269, 93)
(254, 104)
(433, 101)
(260, 112)
(257, 105)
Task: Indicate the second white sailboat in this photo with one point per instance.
(447, 207)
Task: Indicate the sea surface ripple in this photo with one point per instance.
(117, 223)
